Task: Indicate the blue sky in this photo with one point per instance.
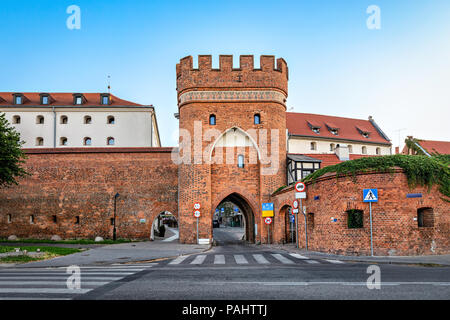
(399, 74)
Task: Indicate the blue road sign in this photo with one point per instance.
(370, 195)
(267, 206)
(222, 209)
(236, 209)
(292, 218)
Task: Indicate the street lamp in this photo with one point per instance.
(114, 219)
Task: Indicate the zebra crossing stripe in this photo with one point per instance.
(334, 261)
(219, 259)
(199, 259)
(296, 255)
(282, 259)
(240, 259)
(260, 259)
(178, 260)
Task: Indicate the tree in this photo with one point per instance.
(11, 154)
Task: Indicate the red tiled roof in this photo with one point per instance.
(442, 147)
(62, 99)
(332, 159)
(297, 124)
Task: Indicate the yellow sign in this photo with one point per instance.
(267, 213)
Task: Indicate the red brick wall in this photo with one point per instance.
(395, 232)
(82, 182)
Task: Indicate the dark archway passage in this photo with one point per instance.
(228, 233)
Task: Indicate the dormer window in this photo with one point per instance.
(333, 128)
(78, 99)
(316, 130)
(18, 98)
(334, 131)
(365, 135)
(45, 98)
(314, 125)
(105, 99)
(364, 132)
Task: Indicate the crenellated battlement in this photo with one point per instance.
(268, 76)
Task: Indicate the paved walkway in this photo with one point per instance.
(427, 259)
(122, 253)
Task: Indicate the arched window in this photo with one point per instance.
(16, 120)
(313, 146)
(111, 120)
(110, 141)
(332, 147)
(257, 119)
(378, 151)
(240, 161)
(39, 141)
(87, 141)
(64, 119)
(364, 150)
(63, 141)
(87, 119)
(350, 148)
(212, 120)
(40, 119)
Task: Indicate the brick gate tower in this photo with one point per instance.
(232, 140)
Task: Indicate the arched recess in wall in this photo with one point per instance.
(169, 222)
(234, 137)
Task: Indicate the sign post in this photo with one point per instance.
(370, 195)
(267, 212)
(197, 214)
(306, 225)
(295, 211)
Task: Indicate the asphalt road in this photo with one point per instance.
(231, 271)
(237, 271)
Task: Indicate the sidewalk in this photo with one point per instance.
(121, 253)
(443, 260)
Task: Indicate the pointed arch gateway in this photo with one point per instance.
(247, 207)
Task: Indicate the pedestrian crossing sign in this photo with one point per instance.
(370, 195)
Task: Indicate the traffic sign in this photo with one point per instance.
(196, 205)
(370, 195)
(300, 187)
(267, 209)
(197, 213)
(295, 206)
(300, 195)
(292, 217)
(268, 220)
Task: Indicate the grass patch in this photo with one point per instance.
(48, 253)
(80, 241)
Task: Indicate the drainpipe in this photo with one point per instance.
(152, 114)
(54, 127)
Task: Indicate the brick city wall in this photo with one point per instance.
(395, 225)
(81, 182)
(229, 94)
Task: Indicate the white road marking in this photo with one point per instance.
(312, 261)
(199, 259)
(84, 279)
(260, 259)
(219, 259)
(43, 290)
(50, 283)
(334, 261)
(298, 256)
(240, 259)
(178, 260)
(282, 259)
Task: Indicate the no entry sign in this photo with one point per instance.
(197, 213)
(268, 220)
(300, 187)
(295, 206)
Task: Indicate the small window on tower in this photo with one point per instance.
(212, 120)
(240, 161)
(257, 119)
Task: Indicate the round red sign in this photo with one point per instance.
(300, 187)
(268, 220)
(196, 206)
